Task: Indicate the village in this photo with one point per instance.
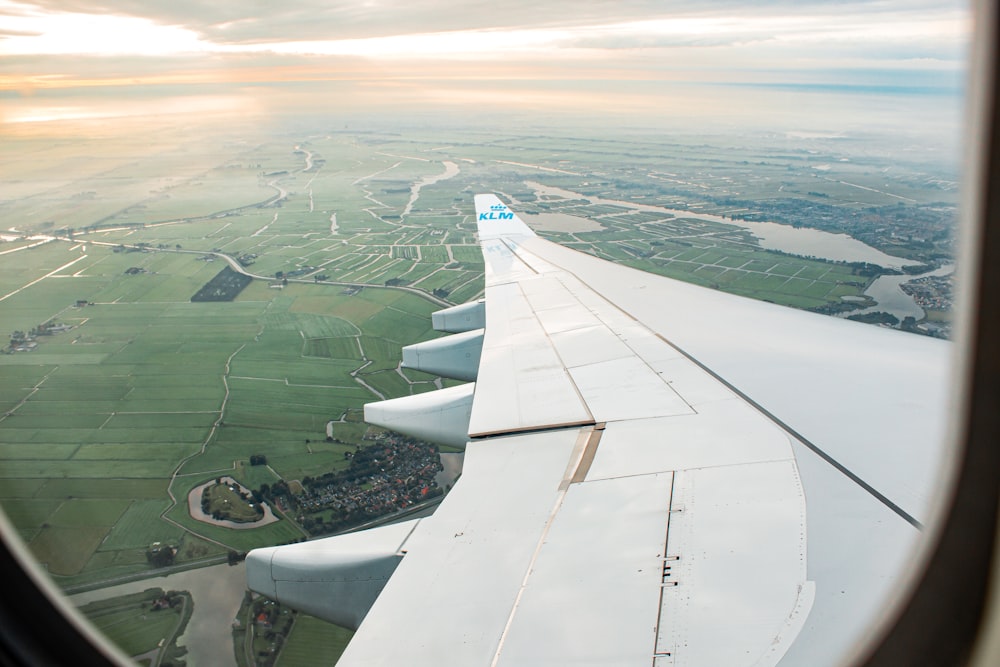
(27, 341)
(931, 292)
(393, 474)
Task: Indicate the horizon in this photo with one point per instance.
(895, 69)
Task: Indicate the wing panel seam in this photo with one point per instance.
(847, 472)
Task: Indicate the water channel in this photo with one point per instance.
(800, 241)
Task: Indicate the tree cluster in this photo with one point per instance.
(161, 555)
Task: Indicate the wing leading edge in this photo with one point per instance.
(622, 501)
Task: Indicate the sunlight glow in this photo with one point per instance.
(466, 43)
(651, 33)
(31, 31)
(202, 105)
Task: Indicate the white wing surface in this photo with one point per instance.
(656, 474)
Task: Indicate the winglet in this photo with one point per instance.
(496, 220)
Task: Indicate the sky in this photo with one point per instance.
(76, 58)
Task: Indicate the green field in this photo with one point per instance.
(311, 637)
(140, 631)
(223, 501)
(146, 384)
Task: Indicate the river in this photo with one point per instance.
(885, 290)
(450, 170)
(216, 592)
(771, 235)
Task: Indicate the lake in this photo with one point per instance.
(800, 241)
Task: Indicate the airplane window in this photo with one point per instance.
(221, 226)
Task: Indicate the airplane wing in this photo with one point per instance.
(655, 473)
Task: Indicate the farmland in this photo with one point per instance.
(311, 637)
(153, 391)
(144, 625)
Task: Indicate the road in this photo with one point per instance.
(38, 280)
(239, 268)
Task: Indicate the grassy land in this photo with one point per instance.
(140, 630)
(270, 634)
(228, 504)
(311, 637)
(95, 430)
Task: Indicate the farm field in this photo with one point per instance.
(311, 637)
(172, 392)
(143, 632)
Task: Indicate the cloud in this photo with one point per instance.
(240, 22)
(245, 22)
(726, 34)
(8, 32)
(389, 54)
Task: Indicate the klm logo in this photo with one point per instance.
(497, 212)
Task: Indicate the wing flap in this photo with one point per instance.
(592, 596)
(721, 577)
(454, 591)
(535, 560)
